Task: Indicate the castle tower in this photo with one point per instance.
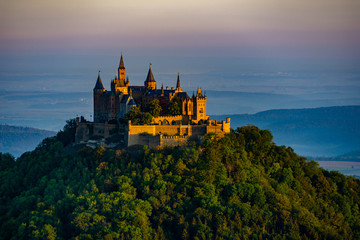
(98, 103)
(150, 82)
(199, 106)
(120, 84)
(121, 70)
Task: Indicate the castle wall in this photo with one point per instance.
(136, 129)
(143, 139)
(167, 129)
(159, 120)
(152, 135)
(172, 140)
(89, 130)
(82, 132)
(219, 129)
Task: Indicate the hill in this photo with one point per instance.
(17, 140)
(328, 131)
(241, 186)
(347, 157)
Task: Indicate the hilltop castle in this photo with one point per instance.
(167, 128)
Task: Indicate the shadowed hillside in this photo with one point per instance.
(242, 186)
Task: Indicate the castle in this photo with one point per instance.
(179, 117)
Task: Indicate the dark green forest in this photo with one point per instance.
(242, 186)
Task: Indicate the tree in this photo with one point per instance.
(154, 108)
(137, 117)
(67, 135)
(174, 107)
(6, 161)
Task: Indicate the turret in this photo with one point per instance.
(121, 83)
(99, 86)
(178, 88)
(150, 82)
(98, 104)
(199, 106)
(121, 69)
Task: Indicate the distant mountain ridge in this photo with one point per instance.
(17, 140)
(353, 156)
(326, 131)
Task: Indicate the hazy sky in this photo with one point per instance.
(305, 28)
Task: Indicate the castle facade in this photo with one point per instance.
(110, 106)
(167, 128)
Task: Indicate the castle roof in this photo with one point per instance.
(132, 102)
(150, 76)
(183, 95)
(158, 92)
(137, 88)
(125, 98)
(99, 84)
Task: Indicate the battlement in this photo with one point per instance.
(169, 120)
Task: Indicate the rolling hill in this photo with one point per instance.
(327, 131)
(17, 140)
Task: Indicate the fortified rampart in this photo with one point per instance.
(152, 135)
(173, 134)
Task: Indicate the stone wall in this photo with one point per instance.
(152, 135)
(89, 130)
(143, 139)
(172, 140)
(219, 129)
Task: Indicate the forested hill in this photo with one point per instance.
(242, 186)
(17, 140)
(327, 131)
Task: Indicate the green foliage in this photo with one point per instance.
(67, 135)
(6, 161)
(174, 107)
(241, 186)
(154, 108)
(137, 117)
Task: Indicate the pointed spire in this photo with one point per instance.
(121, 65)
(98, 84)
(150, 76)
(130, 92)
(205, 94)
(178, 82)
(162, 89)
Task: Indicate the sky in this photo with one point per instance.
(251, 55)
(308, 49)
(241, 28)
